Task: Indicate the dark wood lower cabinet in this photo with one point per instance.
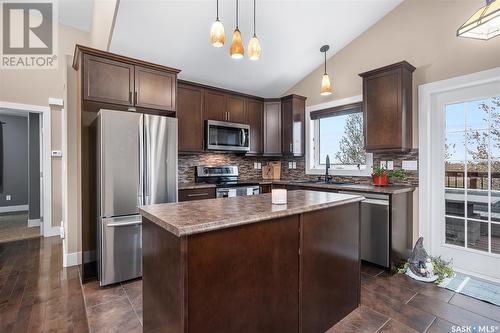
(299, 273)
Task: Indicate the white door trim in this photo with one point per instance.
(425, 95)
(47, 228)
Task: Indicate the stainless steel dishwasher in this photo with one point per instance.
(374, 228)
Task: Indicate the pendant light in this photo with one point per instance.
(326, 88)
(484, 24)
(217, 33)
(254, 49)
(237, 50)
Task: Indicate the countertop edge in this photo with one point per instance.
(216, 225)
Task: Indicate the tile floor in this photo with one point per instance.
(14, 226)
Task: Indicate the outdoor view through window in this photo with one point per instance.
(472, 175)
(341, 137)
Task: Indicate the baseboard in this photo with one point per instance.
(72, 259)
(33, 223)
(10, 209)
(52, 231)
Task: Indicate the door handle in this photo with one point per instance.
(124, 224)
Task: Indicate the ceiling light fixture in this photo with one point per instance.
(484, 24)
(217, 33)
(237, 49)
(254, 49)
(326, 88)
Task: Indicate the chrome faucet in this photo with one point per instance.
(327, 176)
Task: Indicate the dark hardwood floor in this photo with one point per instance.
(38, 295)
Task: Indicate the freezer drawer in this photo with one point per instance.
(121, 255)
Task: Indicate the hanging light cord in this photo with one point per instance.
(254, 19)
(236, 14)
(217, 10)
(325, 62)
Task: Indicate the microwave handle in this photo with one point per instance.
(243, 137)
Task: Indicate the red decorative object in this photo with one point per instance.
(380, 180)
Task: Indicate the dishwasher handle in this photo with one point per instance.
(379, 202)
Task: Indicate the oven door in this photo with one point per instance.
(220, 135)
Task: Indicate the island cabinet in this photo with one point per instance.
(196, 194)
(189, 114)
(387, 107)
(293, 108)
(272, 128)
(241, 265)
(118, 82)
(254, 110)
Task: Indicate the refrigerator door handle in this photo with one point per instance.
(146, 161)
(140, 195)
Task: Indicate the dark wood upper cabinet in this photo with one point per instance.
(387, 107)
(214, 106)
(121, 83)
(190, 118)
(235, 109)
(272, 128)
(254, 117)
(293, 108)
(107, 81)
(155, 89)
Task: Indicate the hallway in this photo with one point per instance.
(14, 226)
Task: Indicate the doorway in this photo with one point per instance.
(460, 172)
(20, 196)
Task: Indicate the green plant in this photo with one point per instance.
(442, 269)
(398, 173)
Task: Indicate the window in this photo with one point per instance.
(338, 133)
(472, 175)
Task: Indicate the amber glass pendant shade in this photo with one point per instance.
(326, 88)
(484, 24)
(237, 50)
(254, 49)
(217, 34)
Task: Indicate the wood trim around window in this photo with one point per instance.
(337, 110)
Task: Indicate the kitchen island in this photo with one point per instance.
(244, 265)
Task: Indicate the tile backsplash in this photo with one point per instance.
(187, 162)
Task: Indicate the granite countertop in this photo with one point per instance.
(191, 217)
(367, 188)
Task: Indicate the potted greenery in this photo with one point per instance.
(380, 176)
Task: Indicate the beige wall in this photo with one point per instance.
(422, 32)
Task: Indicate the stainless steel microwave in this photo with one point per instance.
(225, 136)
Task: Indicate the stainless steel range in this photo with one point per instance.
(226, 179)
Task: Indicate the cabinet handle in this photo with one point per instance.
(227, 115)
(130, 97)
(291, 147)
(135, 97)
(197, 195)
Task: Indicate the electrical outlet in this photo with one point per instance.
(410, 165)
(390, 165)
(260, 165)
(290, 165)
(255, 165)
(294, 165)
(7, 197)
(383, 164)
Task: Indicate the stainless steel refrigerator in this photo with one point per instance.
(136, 165)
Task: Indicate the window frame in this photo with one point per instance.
(313, 167)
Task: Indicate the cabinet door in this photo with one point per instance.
(382, 111)
(272, 128)
(189, 114)
(298, 126)
(155, 89)
(235, 107)
(287, 127)
(107, 81)
(197, 194)
(254, 118)
(214, 106)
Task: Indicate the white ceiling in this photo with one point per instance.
(76, 13)
(176, 33)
